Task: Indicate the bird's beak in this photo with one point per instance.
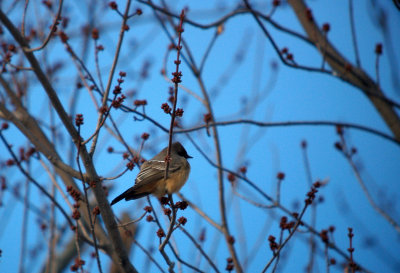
(188, 156)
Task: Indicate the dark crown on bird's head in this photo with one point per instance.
(180, 150)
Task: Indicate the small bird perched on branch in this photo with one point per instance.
(151, 178)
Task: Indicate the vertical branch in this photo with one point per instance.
(125, 18)
(353, 33)
(23, 18)
(171, 226)
(24, 227)
(79, 122)
(221, 197)
(352, 264)
(53, 239)
(326, 258)
(378, 52)
(160, 234)
(313, 207)
(78, 250)
(176, 80)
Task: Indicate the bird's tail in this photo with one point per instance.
(129, 194)
(117, 199)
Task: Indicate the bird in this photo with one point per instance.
(151, 177)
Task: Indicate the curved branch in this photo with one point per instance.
(52, 30)
(349, 73)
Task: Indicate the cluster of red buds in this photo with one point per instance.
(378, 49)
(182, 205)
(116, 103)
(179, 112)
(149, 218)
(167, 211)
(280, 176)
(145, 136)
(76, 215)
(231, 178)
(231, 239)
(78, 120)
(140, 102)
(75, 194)
(130, 165)
(309, 15)
(25, 155)
(95, 34)
(164, 201)
(113, 5)
(207, 118)
(312, 192)
(177, 76)
(182, 220)
(160, 233)
(167, 109)
(276, 3)
(78, 264)
(284, 224)
(273, 245)
(326, 27)
(352, 264)
(229, 265)
(285, 52)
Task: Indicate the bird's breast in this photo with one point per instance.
(176, 180)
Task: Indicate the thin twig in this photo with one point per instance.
(96, 59)
(278, 254)
(218, 31)
(165, 256)
(326, 259)
(293, 123)
(28, 176)
(149, 255)
(198, 246)
(200, 212)
(23, 18)
(133, 221)
(268, 198)
(353, 33)
(377, 69)
(307, 168)
(281, 246)
(349, 156)
(171, 226)
(24, 229)
(51, 32)
(276, 48)
(176, 80)
(79, 145)
(111, 73)
(78, 249)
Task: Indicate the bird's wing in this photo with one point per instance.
(146, 181)
(152, 171)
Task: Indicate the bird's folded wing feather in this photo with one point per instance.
(152, 171)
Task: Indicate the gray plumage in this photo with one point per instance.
(150, 179)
